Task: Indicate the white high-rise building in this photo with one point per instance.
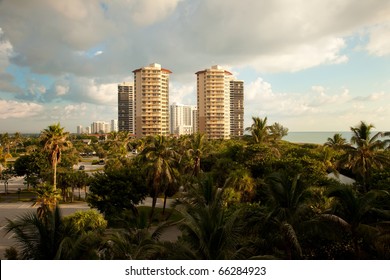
(114, 125)
(80, 129)
(182, 120)
(99, 127)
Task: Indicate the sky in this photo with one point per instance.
(308, 65)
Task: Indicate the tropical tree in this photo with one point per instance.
(114, 191)
(336, 142)
(365, 154)
(239, 186)
(196, 149)
(361, 215)
(277, 131)
(288, 208)
(17, 140)
(259, 130)
(5, 141)
(119, 142)
(55, 141)
(78, 236)
(160, 162)
(209, 230)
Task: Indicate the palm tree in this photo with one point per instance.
(196, 150)
(241, 183)
(5, 141)
(336, 142)
(277, 131)
(208, 230)
(76, 237)
(54, 141)
(365, 154)
(288, 202)
(37, 238)
(160, 164)
(358, 214)
(119, 142)
(17, 140)
(259, 130)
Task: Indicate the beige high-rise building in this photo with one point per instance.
(126, 107)
(236, 108)
(213, 102)
(151, 85)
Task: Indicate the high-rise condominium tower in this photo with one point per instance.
(151, 85)
(236, 108)
(182, 119)
(213, 100)
(126, 107)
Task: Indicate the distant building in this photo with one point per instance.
(80, 129)
(126, 107)
(213, 100)
(114, 125)
(182, 119)
(236, 108)
(88, 130)
(151, 85)
(100, 127)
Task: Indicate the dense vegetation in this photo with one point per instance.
(258, 197)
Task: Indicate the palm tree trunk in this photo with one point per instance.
(54, 176)
(165, 203)
(154, 202)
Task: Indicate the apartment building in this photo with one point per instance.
(151, 84)
(213, 102)
(182, 119)
(126, 107)
(236, 108)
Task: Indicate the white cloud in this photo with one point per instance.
(302, 56)
(379, 40)
(146, 12)
(14, 109)
(61, 90)
(299, 110)
(182, 94)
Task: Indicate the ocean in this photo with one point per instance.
(318, 137)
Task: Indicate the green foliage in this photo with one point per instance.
(84, 221)
(114, 191)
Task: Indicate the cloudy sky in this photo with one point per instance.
(310, 65)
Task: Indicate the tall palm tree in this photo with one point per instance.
(259, 130)
(365, 154)
(336, 142)
(55, 141)
(160, 163)
(196, 150)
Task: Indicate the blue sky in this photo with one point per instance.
(309, 65)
